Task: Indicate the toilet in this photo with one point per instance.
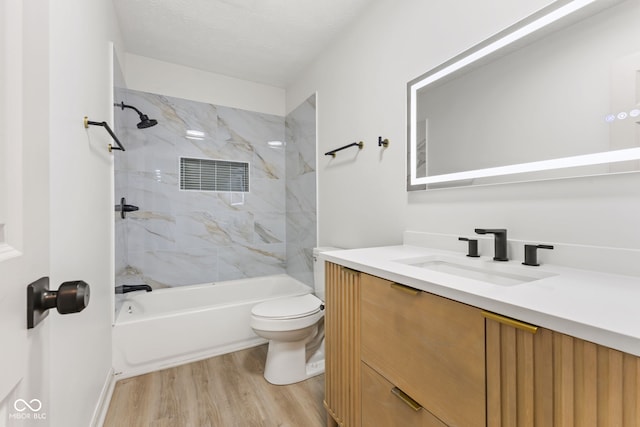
(295, 329)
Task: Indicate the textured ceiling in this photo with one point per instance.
(266, 41)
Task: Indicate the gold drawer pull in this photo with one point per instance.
(510, 322)
(406, 399)
(407, 289)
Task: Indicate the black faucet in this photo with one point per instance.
(123, 289)
(500, 239)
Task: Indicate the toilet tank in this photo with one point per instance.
(318, 270)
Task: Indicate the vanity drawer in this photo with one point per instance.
(383, 405)
(430, 347)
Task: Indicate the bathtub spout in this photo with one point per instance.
(123, 289)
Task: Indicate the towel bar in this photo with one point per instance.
(332, 153)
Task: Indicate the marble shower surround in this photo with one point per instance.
(187, 237)
(301, 217)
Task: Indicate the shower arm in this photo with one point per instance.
(123, 106)
(105, 125)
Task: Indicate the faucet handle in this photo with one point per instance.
(531, 254)
(472, 250)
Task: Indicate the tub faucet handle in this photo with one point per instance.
(472, 250)
(531, 254)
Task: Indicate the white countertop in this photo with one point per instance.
(598, 307)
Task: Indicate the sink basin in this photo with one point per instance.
(483, 270)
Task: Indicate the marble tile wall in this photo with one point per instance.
(300, 186)
(179, 237)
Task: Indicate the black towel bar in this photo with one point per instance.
(332, 153)
(105, 125)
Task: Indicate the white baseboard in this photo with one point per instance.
(102, 407)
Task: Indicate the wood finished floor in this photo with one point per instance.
(224, 391)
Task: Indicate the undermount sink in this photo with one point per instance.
(483, 270)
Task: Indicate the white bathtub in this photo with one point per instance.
(168, 327)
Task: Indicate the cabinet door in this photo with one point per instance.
(430, 347)
(342, 345)
(384, 405)
(542, 378)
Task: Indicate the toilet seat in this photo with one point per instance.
(288, 308)
(287, 314)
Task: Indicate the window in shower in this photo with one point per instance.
(214, 175)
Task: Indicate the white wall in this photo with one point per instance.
(163, 78)
(361, 84)
(81, 223)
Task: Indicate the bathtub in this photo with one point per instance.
(168, 327)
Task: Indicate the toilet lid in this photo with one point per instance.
(288, 308)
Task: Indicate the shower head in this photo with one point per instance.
(145, 121)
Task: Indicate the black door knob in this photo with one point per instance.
(71, 297)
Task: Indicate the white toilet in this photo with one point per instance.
(295, 330)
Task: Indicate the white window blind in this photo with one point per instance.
(213, 175)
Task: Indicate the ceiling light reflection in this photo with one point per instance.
(195, 134)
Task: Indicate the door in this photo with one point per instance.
(56, 209)
(24, 221)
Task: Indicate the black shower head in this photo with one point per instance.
(145, 121)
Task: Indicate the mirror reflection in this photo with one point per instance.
(564, 104)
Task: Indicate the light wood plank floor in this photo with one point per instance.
(224, 391)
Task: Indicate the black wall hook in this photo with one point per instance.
(383, 142)
(105, 125)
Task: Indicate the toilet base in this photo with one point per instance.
(286, 363)
(315, 365)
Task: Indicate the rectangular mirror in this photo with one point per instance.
(556, 95)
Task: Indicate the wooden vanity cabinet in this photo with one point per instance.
(396, 356)
(383, 404)
(429, 347)
(540, 378)
(388, 346)
(342, 346)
